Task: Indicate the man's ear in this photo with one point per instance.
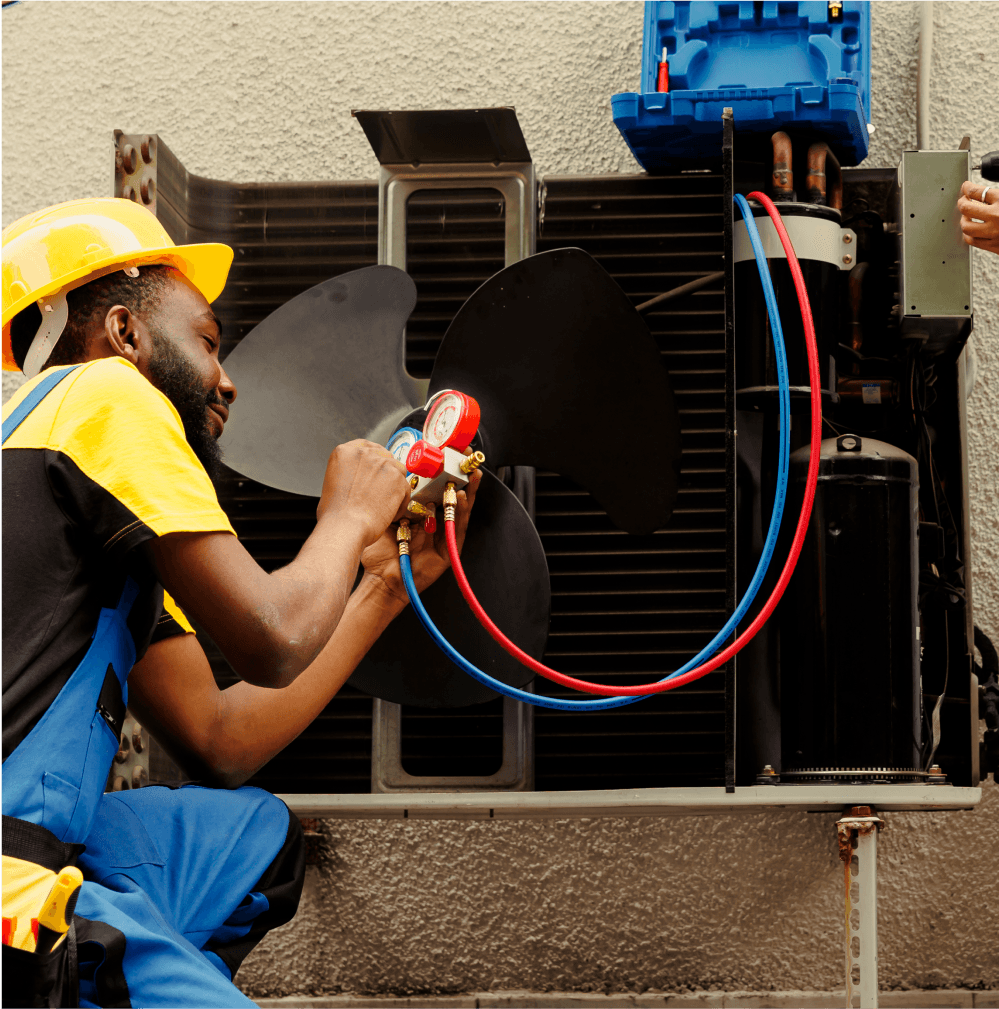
(121, 335)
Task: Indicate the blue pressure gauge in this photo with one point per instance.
(402, 441)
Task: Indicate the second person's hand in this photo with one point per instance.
(979, 206)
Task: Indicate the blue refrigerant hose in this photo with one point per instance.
(761, 569)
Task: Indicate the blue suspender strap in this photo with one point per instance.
(40, 391)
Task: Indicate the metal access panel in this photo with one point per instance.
(935, 260)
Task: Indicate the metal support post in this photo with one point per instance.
(516, 773)
(858, 847)
(446, 150)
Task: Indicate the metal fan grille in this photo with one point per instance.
(624, 608)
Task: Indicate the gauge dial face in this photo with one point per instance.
(402, 441)
(443, 419)
(452, 420)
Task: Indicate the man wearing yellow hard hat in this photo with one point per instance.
(109, 515)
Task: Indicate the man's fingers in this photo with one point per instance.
(972, 208)
(988, 244)
(465, 501)
(976, 229)
(974, 190)
(473, 486)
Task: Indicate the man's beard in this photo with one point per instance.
(179, 381)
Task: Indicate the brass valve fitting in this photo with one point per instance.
(415, 508)
(403, 536)
(450, 500)
(472, 463)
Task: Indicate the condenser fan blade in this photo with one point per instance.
(505, 562)
(569, 379)
(324, 368)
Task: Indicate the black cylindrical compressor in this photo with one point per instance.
(849, 648)
(818, 242)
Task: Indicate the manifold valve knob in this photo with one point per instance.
(425, 460)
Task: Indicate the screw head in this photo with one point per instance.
(847, 239)
(848, 259)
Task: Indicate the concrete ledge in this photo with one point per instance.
(694, 801)
(959, 998)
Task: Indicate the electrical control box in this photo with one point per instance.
(934, 260)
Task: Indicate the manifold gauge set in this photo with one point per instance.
(437, 456)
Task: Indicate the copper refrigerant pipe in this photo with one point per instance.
(819, 158)
(856, 285)
(783, 176)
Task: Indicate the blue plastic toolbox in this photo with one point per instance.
(779, 64)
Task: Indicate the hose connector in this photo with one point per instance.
(417, 509)
(450, 500)
(403, 536)
(472, 462)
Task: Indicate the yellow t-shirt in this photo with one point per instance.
(98, 468)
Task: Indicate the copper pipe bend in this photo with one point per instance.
(783, 177)
(820, 158)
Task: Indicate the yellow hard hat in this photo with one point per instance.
(64, 246)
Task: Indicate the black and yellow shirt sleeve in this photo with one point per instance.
(172, 620)
(98, 468)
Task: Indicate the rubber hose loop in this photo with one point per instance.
(626, 695)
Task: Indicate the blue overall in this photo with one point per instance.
(171, 874)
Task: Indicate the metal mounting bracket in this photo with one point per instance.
(452, 149)
(516, 773)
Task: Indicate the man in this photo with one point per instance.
(107, 502)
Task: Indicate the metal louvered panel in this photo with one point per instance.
(625, 608)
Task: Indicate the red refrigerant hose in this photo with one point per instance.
(785, 576)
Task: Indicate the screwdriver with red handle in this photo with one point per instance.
(662, 83)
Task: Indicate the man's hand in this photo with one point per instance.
(366, 487)
(980, 221)
(428, 554)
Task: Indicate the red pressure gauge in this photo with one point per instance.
(452, 420)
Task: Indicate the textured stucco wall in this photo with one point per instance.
(261, 91)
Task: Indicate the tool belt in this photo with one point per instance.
(32, 857)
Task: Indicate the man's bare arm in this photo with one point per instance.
(226, 736)
(271, 626)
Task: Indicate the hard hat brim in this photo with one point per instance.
(205, 265)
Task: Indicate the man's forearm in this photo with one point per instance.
(253, 724)
(270, 627)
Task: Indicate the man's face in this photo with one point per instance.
(182, 361)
